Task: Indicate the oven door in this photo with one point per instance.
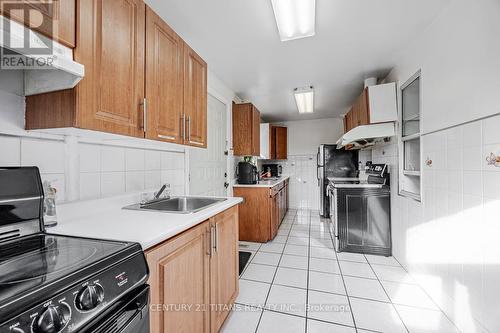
(127, 315)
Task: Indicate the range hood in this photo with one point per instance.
(49, 72)
(367, 135)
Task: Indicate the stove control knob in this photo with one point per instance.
(53, 319)
(89, 297)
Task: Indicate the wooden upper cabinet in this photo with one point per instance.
(141, 79)
(111, 44)
(376, 104)
(54, 19)
(281, 142)
(164, 81)
(255, 132)
(363, 110)
(246, 130)
(224, 265)
(180, 276)
(195, 98)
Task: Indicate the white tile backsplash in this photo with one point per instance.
(90, 185)
(90, 158)
(112, 183)
(152, 160)
(134, 181)
(152, 179)
(10, 151)
(112, 158)
(134, 159)
(48, 155)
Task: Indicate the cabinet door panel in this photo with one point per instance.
(377, 233)
(364, 113)
(281, 143)
(55, 19)
(356, 222)
(195, 98)
(224, 266)
(255, 132)
(164, 80)
(111, 46)
(180, 276)
(274, 214)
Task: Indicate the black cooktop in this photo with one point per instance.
(41, 264)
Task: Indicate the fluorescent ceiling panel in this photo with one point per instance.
(304, 97)
(295, 18)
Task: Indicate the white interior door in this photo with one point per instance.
(208, 167)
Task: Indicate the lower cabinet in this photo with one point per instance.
(224, 266)
(194, 276)
(262, 211)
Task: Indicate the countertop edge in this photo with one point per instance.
(263, 185)
(146, 246)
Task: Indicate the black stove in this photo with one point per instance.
(53, 283)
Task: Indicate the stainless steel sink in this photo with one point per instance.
(181, 205)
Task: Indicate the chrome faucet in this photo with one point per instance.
(146, 197)
(160, 192)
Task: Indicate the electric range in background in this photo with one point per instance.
(52, 283)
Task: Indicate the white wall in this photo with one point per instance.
(305, 136)
(459, 55)
(449, 241)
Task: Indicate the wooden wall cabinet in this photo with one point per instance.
(141, 79)
(196, 269)
(273, 142)
(56, 19)
(262, 212)
(195, 98)
(246, 130)
(281, 143)
(376, 104)
(164, 81)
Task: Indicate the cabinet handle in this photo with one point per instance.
(214, 239)
(189, 128)
(183, 124)
(144, 113)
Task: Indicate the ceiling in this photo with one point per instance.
(355, 39)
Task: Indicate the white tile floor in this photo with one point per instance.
(298, 283)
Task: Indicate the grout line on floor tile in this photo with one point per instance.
(387, 294)
(272, 281)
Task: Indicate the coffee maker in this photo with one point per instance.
(247, 173)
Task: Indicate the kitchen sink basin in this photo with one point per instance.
(182, 205)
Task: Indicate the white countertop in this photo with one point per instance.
(105, 218)
(265, 183)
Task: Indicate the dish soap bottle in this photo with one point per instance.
(49, 205)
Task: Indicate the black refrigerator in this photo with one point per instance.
(333, 163)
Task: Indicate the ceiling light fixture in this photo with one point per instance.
(295, 18)
(304, 98)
